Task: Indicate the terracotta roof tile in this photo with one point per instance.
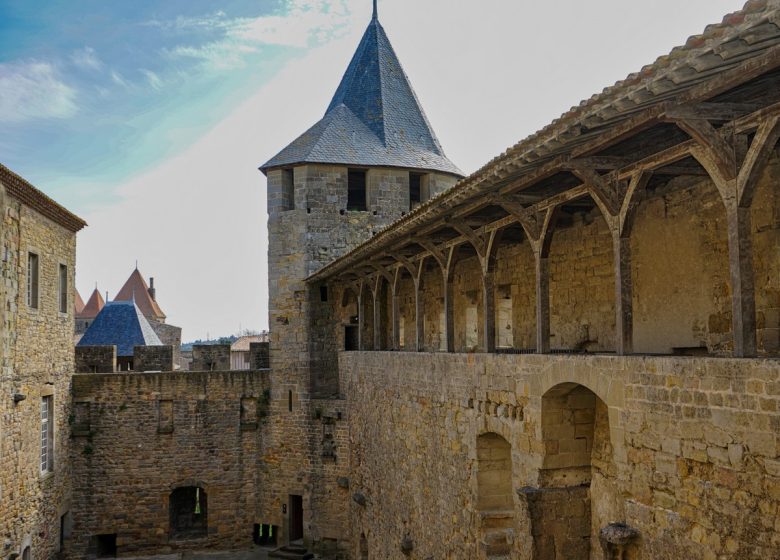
(93, 307)
(137, 289)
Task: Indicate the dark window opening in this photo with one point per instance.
(323, 293)
(103, 546)
(265, 535)
(356, 190)
(189, 513)
(415, 190)
(63, 289)
(66, 523)
(32, 280)
(26, 553)
(350, 338)
(289, 401)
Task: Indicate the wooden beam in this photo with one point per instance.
(710, 111)
(718, 153)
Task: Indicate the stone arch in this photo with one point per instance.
(575, 497)
(495, 500)
(188, 512)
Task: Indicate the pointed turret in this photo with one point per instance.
(374, 119)
(94, 305)
(136, 289)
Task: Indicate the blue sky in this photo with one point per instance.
(105, 89)
(150, 118)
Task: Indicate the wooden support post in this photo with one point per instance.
(361, 319)
(449, 300)
(624, 310)
(396, 317)
(743, 304)
(542, 303)
(419, 313)
(377, 316)
(488, 313)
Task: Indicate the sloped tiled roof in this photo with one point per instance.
(93, 306)
(120, 324)
(746, 41)
(137, 289)
(21, 189)
(374, 119)
(78, 303)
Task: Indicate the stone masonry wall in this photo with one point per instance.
(210, 357)
(95, 359)
(690, 455)
(37, 362)
(153, 358)
(141, 435)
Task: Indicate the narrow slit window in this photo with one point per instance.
(289, 401)
(63, 289)
(415, 190)
(288, 189)
(356, 190)
(32, 280)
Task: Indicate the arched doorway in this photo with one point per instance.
(188, 508)
(495, 502)
(565, 512)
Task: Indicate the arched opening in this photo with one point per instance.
(188, 508)
(432, 286)
(348, 319)
(515, 291)
(468, 308)
(575, 496)
(680, 268)
(495, 502)
(26, 553)
(582, 280)
(363, 547)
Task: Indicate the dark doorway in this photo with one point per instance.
(351, 338)
(265, 535)
(189, 513)
(102, 546)
(296, 518)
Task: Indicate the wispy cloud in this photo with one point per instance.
(305, 23)
(30, 90)
(118, 79)
(152, 78)
(86, 58)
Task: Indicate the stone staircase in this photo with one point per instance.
(292, 551)
(498, 534)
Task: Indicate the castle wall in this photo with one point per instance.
(142, 435)
(689, 456)
(37, 362)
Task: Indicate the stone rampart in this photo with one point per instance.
(95, 359)
(683, 449)
(153, 358)
(210, 357)
(139, 437)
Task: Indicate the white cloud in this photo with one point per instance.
(304, 23)
(153, 79)
(86, 58)
(30, 90)
(118, 79)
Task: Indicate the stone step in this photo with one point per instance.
(497, 542)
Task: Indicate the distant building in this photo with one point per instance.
(121, 324)
(145, 297)
(88, 312)
(239, 351)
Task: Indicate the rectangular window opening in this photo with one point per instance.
(63, 289)
(289, 401)
(32, 280)
(350, 338)
(47, 434)
(356, 190)
(323, 293)
(415, 190)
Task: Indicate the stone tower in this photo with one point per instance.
(366, 163)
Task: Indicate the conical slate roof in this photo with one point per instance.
(120, 324)
(374, 118)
